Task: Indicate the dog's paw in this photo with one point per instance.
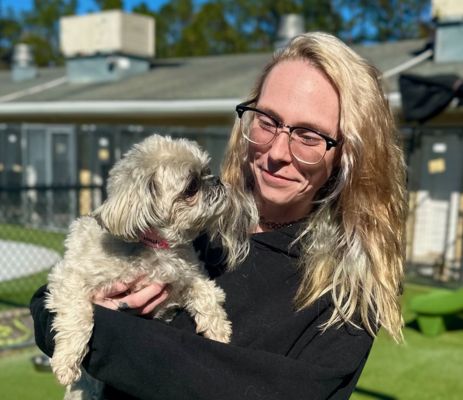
(221, 333)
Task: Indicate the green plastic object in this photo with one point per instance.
(431, 308)
(431, 325)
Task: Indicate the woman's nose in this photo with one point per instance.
(279, 150)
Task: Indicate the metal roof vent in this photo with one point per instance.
(448, 43)
(106, 46)
(290, 26)
(23, 67)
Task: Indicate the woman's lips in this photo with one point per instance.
(274, 178)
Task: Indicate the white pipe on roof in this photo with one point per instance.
(33, 90)
(408, 64)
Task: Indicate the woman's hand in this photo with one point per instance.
(134, 297)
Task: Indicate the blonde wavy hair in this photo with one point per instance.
(353, 244)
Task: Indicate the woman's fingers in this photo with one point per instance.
(142, 302)
(144, 296)
(118, 289)
(150, 306)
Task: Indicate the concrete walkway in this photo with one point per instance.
(21, 259)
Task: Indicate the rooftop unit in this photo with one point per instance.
(106, 46)
(448, 43)
(447, 9)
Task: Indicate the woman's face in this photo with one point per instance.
(297, 94)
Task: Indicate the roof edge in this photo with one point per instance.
(172, 112)
(108, 111)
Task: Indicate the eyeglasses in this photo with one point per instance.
(306, 144)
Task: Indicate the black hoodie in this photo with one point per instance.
(275, 352)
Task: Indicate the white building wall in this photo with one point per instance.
(438, 179)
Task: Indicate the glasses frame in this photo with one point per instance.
(330, 142)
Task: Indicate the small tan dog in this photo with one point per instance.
(160, 197)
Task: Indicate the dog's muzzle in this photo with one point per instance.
(216, 191)
(214, 181)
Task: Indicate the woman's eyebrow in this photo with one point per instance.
(309, 125)
(270, 112)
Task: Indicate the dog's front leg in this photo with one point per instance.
(73, 325)
(204, 300)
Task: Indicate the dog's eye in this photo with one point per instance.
(192, 187)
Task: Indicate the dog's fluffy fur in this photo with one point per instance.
(161, 187)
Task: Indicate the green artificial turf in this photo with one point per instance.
(18, 292)
(422, 368)
(20, 381)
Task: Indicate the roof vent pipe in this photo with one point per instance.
(290, 26)
(23, 67)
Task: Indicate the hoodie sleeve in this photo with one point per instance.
(148, 359)
(43, 319)
(151, 360)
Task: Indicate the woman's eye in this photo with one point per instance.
(266, 124)
(308, 138)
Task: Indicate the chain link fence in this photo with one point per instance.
(33, 224)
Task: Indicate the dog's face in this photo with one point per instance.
(162, 185)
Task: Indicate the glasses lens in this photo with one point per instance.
(307, 146)
(257, 127)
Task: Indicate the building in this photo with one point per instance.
(57, 130)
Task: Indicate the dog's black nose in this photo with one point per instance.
(215, 180)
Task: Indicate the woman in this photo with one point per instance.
(315, 248)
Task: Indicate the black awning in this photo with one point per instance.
(426, 97)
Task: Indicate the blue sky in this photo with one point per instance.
(84, 6)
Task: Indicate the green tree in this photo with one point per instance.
(258, 22)
(172, 19)
(189, 28)
(10, 32)
(231, 26)
(109, 4)
(384, 20)
(42, 28)
(210, 33)
(44, 54)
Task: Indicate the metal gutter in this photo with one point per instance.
(119, 111)
(197, 112)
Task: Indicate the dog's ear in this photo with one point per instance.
(129, 208)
